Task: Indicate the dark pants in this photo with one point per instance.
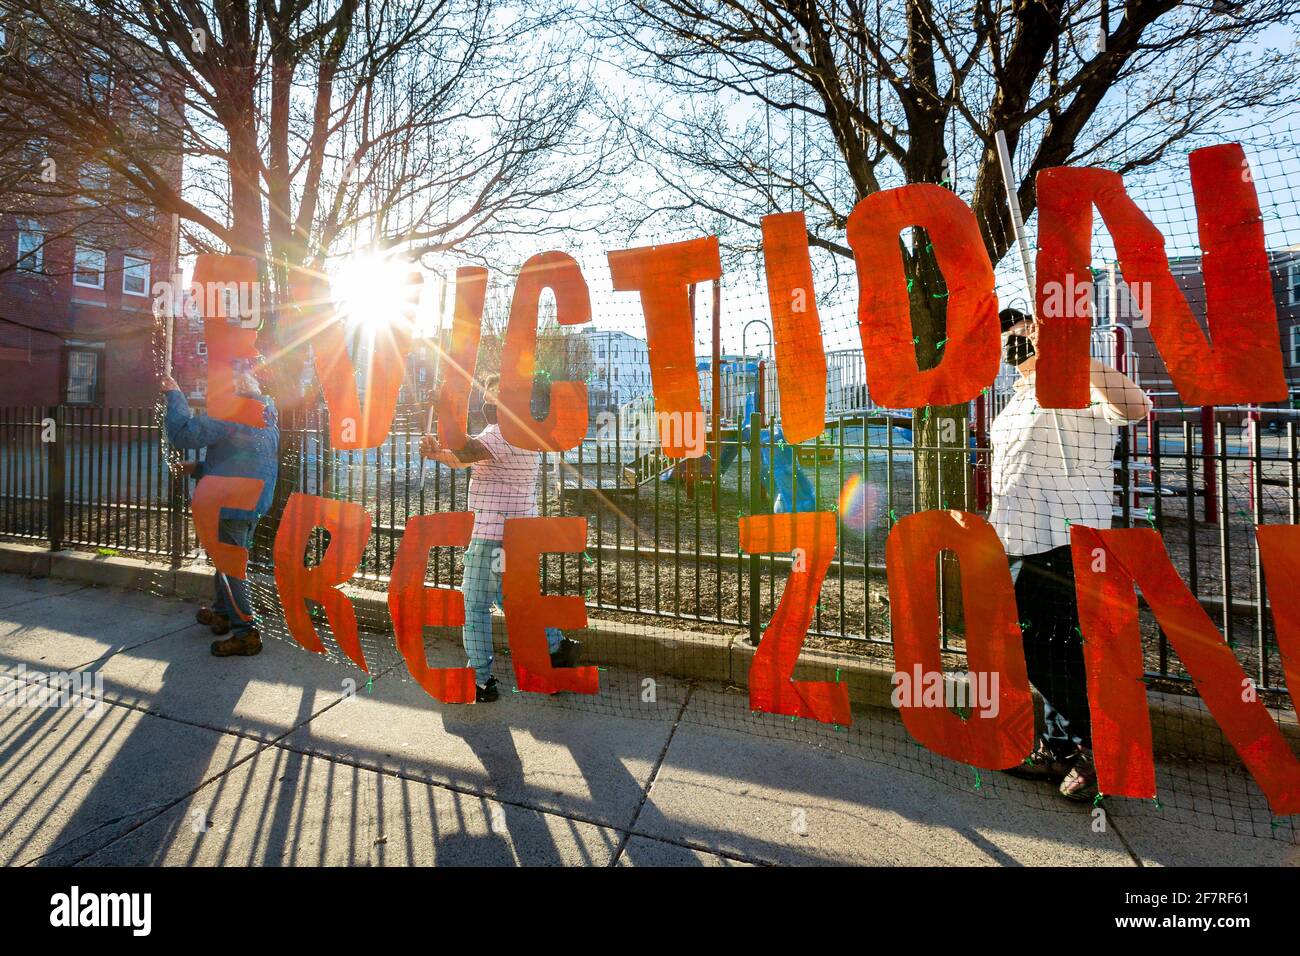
(233, 598)
(1049, 621)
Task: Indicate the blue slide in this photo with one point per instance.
(784, 468)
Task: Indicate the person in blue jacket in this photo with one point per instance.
(238, 451)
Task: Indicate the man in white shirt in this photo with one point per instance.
(1053, 468)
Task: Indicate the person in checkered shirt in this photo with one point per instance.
(1052, 468)
(502, 485)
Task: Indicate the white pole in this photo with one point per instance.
(1017, 220)
(171, 299)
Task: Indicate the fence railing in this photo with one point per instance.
(663, 542)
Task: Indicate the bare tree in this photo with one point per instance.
(774, 105)
(309, 128)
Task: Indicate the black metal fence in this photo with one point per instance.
(662, 536)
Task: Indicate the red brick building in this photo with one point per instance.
(82, 258)
(1145, 359)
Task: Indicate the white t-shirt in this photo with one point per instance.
(503, 486)
(1051, 468)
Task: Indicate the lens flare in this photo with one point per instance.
(859, 504)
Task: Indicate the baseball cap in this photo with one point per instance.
(1009, 317)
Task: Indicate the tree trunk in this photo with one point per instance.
(942, 468)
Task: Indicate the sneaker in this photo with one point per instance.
(219, 623)
(566, 655)
(238, 645)
(486, 693)
(1042, 764)
(1080, 784)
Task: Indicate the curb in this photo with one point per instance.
(1181, 726)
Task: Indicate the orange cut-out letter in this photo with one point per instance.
(1242, 361)
(566, 421)
(796, 326)
(348, 525)
(529, 613)
(1279, 552)
(993, 640)
(223, 285)
(971, 351)
(414, 606)
(810, 535)
(663, 275)
(1112, 659)
(211, 494)
(1137, 556)
(458, 379)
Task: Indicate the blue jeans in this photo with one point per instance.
(481, 586)
(233, 598)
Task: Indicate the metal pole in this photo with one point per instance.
(1208, 468)
(56, 494)
(717, 389)
(1017, 220)
(755, 503)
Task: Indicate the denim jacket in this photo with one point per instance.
(233, 450)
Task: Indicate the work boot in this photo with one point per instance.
(1080, 784)
(238, 645)
(486, 693)
(566, 655)
(219, 623)
(1042, 764)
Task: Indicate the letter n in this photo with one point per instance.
(1108, 615)
(1242, 362)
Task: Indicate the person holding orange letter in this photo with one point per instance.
(235, 450)
(1053, 467)
(503, 485)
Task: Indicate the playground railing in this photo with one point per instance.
(662, 534)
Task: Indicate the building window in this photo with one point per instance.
(1295, 345)
(135, 275)
(94, 179)
(201, 348)
(83, 376)
(31, 247)
(88, 268)
(1293, 282)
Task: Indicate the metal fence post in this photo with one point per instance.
(175, 516)
(755, 503)
(56, 472)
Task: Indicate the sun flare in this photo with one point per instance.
(373, 292)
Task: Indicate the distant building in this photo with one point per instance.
(79, 259)
(620, 369)
(1140, 356)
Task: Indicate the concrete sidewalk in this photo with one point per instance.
(267, 760)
